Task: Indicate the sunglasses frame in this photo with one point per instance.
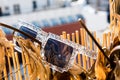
(43, 37)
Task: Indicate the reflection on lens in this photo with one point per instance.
(27, 31)
(57, 53)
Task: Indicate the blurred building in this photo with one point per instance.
(8, 7)
(99, 4)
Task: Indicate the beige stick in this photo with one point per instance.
(91, 48)
(5, 73)
(24, 62)
(108, 39)
(28, 64)
(73, 37)
(78, 42)
(10, 68)
(84, 44)
(104, 44)
(18, 66)
(15, 66)
(68, 36)
(64, 34)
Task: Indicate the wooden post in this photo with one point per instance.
(64, 34)
(5, 73)
(91, 48)
(104, 40)
(24, 65)
(68, 36)
(84, 44)
(108, 39)
(18, 66)
(10, 68)
(28, 64)
(78, 41)
(15, 66)
(73, 37)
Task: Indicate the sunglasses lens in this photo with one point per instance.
(27, 31)
(57, 53)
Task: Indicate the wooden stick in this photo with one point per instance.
(18, 66)
(108, 39)
(104, 40)
(73, 37)
(68, 36)
(91, 48)
(15, 66)
(61, 36)
(93, 45)
(112, 36)
(77, 41)
(28, 64)
(5, 73)
(64, 34)
(83, 56)
(10, 68)
(24, 62)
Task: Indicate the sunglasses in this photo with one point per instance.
(59, 53)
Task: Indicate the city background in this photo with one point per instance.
(56, 15)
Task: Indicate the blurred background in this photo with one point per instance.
(56, 15)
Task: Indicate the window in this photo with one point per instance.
(34, 5)
(16, 9)
(0, 11)
(6, 11)
(74, 0)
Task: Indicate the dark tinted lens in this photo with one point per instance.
(57, 53)
(27, 31)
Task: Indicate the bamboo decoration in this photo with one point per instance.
(24, 65)
(73, 37)
(15, 65)
(18, 66)
(10, 68)
(5, 73)
(28, 65)
(83, 56)
(94, 46)
(64, 35)
(78, 42)
(68, 36)
(104, 40)
(91, 48)
(108, 39)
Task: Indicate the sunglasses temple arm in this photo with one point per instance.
(17, 30)
(84, 26)
(87, 52)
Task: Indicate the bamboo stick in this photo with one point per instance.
(91, 48)
(18, 66)
(108, 39)
(104, 40)
(5, 72)
(73, 37)
(84, 44)
(10, 68)
(94, 45)
(61, 36)
(64, 34)
(15, 66)
(68, 36)
(78, 41)
(24, 64)
(28, 65)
